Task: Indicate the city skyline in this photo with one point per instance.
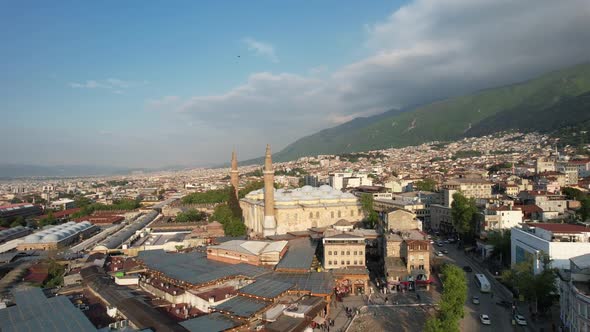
(151, 85)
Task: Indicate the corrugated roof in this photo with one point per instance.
(315, 282)
(266, 288)
(212, 322)
(35, 312)
(299, 256)
(194, 267)
(242, 306)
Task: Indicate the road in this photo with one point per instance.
(501, 317)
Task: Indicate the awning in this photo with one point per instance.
(319, 320)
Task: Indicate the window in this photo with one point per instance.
(335, 262)
(352, 213)
(348, 253)
(360, 252)
(356, 263)
(342, 253)
(359, 212)
(329, 262)
(339, 214)
(411, 267)
(355, 253)
(335, 253)
(317, 214)
(332, 214)
(341, 262)
(329, 253)
(311, 215)
(347, 262)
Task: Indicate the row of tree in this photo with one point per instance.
(450, 309)
(87, 207)
(191, 215)
(229, 214)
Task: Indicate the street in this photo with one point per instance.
(500, 316)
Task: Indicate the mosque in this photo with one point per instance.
(271, 211)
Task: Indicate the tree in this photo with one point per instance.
(367, 205)
(426, 185)
(16, 200)
(451, 305)
(191, 215)
(539, 289)
(18, 221)
(501, 242)
(235, 228)
(463, 212)
(48, 220)
(233, 203)
(4, 222)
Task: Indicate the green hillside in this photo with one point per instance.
(552, 100)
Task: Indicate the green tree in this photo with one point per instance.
(55, 274)
(367, 205)
(539, 289)
(425, 185)
(235, 228)
(82, 201)
(233, 203)
(16, 200)
(18, 221)
(4, 222)
(48, 220)
(501, 242)
(190, 215)
(452, 301)
(463, 212)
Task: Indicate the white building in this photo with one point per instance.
(62, 204)
(560, 241)
(501, 217)
(345, 180)
(574, 294)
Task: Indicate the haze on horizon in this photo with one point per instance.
(137, 84)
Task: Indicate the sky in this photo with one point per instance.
(154, 84)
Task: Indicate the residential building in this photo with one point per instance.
(560, 241)
(407, 257)
(62, 204)
(544, 165)
(470, 188)
(500, 217)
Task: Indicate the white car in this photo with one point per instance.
(485, 319)
(438, 253)
(475, 300)
(520, 320)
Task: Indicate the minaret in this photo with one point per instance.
(234, 175)
(270, 224)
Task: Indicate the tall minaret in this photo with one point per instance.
(234, 175)
(270, 224)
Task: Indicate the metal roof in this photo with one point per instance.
(266, 288)
(299, 256)
(242, 306)
(212, 322)
(314, 282)
(35, 312)
(116, 240)
(194, 267)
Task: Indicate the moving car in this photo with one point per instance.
(467, 268)
(445, 251)
(475, 300)
(485, 319)
(440, 244)
(520, 320)
(438, 253)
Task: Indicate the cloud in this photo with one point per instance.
(426, 50)
(164, 102)
(261, 49)
(114, 84)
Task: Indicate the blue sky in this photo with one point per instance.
(148, 84)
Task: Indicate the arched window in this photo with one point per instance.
(339, 214)
(317, 214)
(311, 215)
(352, 213)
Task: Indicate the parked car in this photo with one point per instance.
(485, 319)
(520, 320)
(467, 268)
(475, 300)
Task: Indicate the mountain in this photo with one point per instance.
(545, 103)
(21, 170)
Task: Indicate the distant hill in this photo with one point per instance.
(556, 99)
(21, 170)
